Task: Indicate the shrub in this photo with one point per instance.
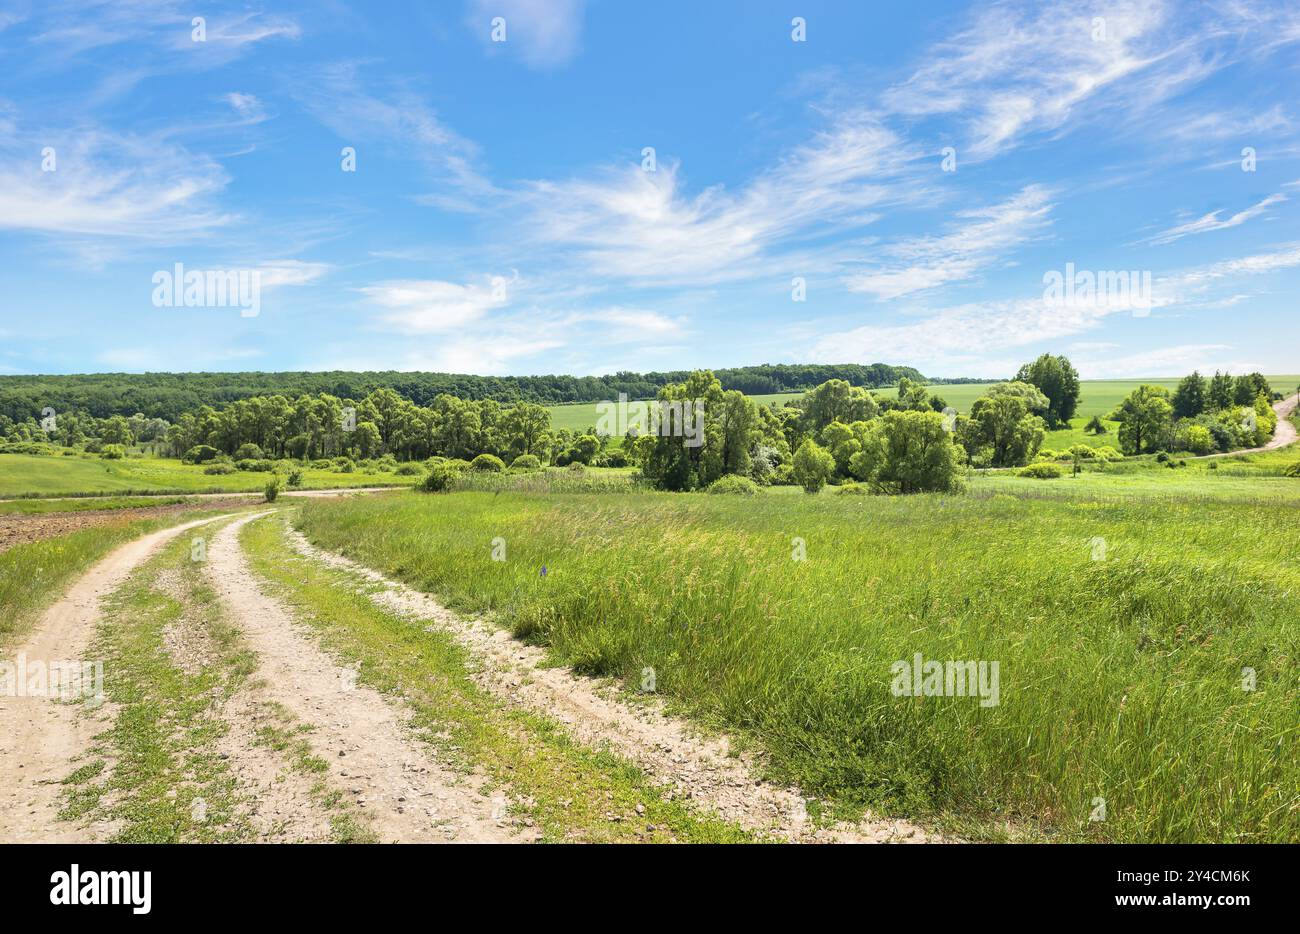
(813, 465)
(617, 458)
(113, 452)
(1162, 457)
(1292, 470)
(344, 465)
(853, 489)
(407, 470)
(199, 454)
(438, 479)
(487, 462)
(525, 462)
(218, 469)
(456, 463)
(273, 487)
(577, 467)
(1108, 453)
(295, 477)
(248, 451)
(1042, 471)
(257, 466)
(733, 485)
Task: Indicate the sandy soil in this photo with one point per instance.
(405, 792)
(18, 529)
(41, 739)
(683, 763)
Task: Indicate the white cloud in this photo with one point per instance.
(111, 185)
(289, 272)
(1211, 221)
(422, 306)
(643, 226)
(927, 262)
(546, 32)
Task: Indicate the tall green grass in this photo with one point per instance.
(1120, 679)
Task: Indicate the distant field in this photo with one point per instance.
(26, 474)
(1097, 397)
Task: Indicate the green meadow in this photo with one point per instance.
(34, 475)
(1121, 678)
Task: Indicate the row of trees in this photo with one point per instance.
(1223, 413)
(170, 395)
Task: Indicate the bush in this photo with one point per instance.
(1162, 457)
(733, 485)
(1292, 470)
(257, 466)
(853, 489)
(617, 458)
(344, 465)
(577, 467)
(295, 477)
(525, 462)
(1043, 471)
(113, 452)
(1108, 453)
(456, 463)
(408, 470)
(438, 479)
(487, 462)
(813, 465)
(200, 454)
(218, 469)
(273, 487)
(249, 451)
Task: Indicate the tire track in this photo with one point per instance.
(407, 795)
(41, 737)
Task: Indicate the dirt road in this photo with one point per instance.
(41, 738)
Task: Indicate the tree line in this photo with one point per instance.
(170, 395)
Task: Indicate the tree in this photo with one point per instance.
(1058, 380)
(836, 400)
(1250, 387)
(1221, 392)
(1004, 422)
(1095, 425)
(919, 454)
(1144, 418)
(1189, 398)
(813, 466)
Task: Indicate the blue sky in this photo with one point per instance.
(501, 218)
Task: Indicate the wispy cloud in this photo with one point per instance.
(423, 306)
(397, 120)
(546, 33)
(1212, 221)
(924, 263)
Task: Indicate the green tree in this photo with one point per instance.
(1005, 423)
(1058, 380)
(919, 454)
(1145, 418)
(813, 466)
(1189, 399)
(1221, 392)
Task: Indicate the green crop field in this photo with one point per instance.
(32, 475)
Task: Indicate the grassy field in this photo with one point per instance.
(31, 475)
(1097, 397)
(1120, 678)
